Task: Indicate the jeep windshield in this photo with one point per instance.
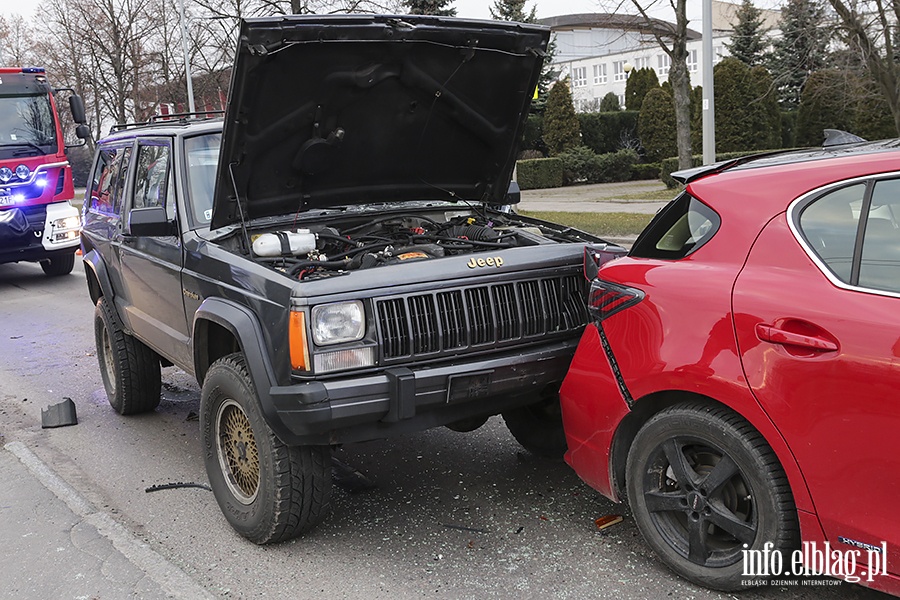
(202, 154)
(27, 121)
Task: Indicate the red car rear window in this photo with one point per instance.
(682, 227)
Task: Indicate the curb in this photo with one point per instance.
(169, 577)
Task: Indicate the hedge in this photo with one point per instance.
(533, 138)
(538, 173)
(604, 132)
(582, 165)
(645, 171)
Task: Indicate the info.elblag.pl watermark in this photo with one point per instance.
(812, 563)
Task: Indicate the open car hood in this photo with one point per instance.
(328, 111)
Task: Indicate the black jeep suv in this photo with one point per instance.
(336, 260)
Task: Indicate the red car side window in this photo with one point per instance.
(880, 261)
(829, 225)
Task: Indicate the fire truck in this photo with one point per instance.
(37, 220)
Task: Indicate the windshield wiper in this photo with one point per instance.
(28, 145)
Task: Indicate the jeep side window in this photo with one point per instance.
(151, 184)
(121, 178)
(106, 173)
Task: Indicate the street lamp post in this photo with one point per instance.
(709, 109)
(187, 57)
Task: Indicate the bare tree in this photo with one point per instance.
(870, 30)
(60, 48)
(16, 42)
(673, 41)
(106, 46)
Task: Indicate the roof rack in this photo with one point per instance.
(200, 114)
(168, 119)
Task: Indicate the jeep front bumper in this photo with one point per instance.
(403, 400)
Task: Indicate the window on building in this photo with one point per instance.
(692, 61)
(663, 63)
(642, 63)
(619, 71)
(719, 54)
(579, 76)
(600, 74)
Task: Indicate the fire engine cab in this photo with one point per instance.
(37, 220)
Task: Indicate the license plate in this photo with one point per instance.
(6, 201)
(464, 388)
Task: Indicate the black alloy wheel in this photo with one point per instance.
(704, 486)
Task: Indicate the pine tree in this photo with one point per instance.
(561, 128)
(639, 83)
(823, 105)
(873, 115)
(748, 42)
(610, 103)
(747, 116)
(656, 122)
(512, 10)
(438, 8)
(766, 116)
(801, 49)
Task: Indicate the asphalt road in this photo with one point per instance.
(452, 515)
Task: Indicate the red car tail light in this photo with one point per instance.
(606, 299)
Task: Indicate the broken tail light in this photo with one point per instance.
(606, 299)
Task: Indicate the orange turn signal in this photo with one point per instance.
(298, 343)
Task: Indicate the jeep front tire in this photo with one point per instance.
(268, 491)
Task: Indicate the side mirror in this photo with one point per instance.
(83, 132)
(76, 105)
(513, 194)
(149, 222)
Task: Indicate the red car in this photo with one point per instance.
(738, 382)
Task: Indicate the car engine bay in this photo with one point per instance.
(352, 244)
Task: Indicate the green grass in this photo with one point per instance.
(602, 224)
(663, 195)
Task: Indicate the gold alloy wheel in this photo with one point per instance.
(238, 454)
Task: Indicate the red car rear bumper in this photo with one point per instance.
(592, 408)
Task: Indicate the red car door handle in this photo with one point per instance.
(768, 333)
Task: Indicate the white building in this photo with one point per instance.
(597, 50)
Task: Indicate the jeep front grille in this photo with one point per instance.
(480, 317)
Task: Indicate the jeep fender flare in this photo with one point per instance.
(95, 263)
(245, 328)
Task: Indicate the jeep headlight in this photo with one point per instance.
(338, 322)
